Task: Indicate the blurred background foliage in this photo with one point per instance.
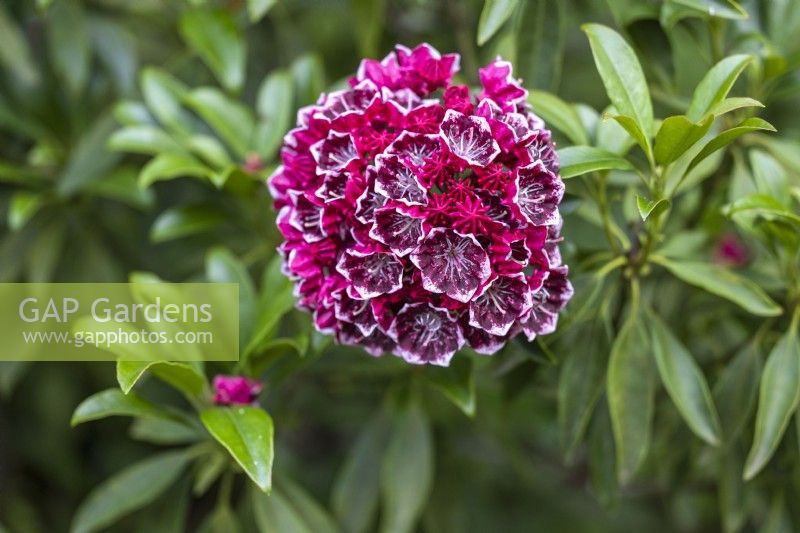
(135, 136)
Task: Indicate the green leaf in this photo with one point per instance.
(622, 77)
(559, 115)
(580, 385)
(275, 300)
(357, 486)
(89, 161)
(182, 376)
(651, 207)
(131, 489)
(493, 16)
(407, 470)
(169, 166)
(113, 402)
(246, 432)
(728, 136)
(369, 17)
(224, 267)
(231, 120)
(762, 205)
(578, 160)
(778, 399)
(631, 391)
(24, 205)
(316, 517)
(716, 85)
(684, 382)
(14, 50)
(143, 139)
(215, 37)
(727, 9)
(165, 432)
(210, 150)
(541, 33)
(183, 221)
(69, 44)
(275, 514)
(635, 131)
(456, 382)
(736, 390)
(116, 49)
(722, 282)
(676, 135)
(734, 103)
(274, 104)
(257, 9)
(163, 94)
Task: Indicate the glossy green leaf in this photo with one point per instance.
(636, 133)
(185, 377)
(230, 120)
(559, 115)
(246, 432)
(732, 104)
(407, 470)
(357, 486)
(676, 135)
(652, 208)
(493, 16)
(631, 390)
(722, 282)
(257, 9)
(216, 38)
(456, 382)
(113, 402)
(578, 160)
(622, 77)
(749, 125)
(779, 396)
(169, 166)
(684, 382)
(128, 490)
(727, 9)
(716, 85)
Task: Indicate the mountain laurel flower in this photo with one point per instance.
(419, 219)
(236, 390)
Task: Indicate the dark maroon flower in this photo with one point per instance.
(236, 390)
(418, 218)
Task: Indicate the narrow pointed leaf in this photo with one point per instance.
(676, 135)
(778, 398)
(728, 136)
(559, 115)
(685, 383)
(716, 85)
(113, 402)
(578, 160)
(493, 15)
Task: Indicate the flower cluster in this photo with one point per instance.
(418, 219)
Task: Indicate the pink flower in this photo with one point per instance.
(235, 390)
(731, 251)
(419, 218)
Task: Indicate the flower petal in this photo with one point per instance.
(372, 274)
(451, 263)
(426, 335)
(501, 302)
(469, 137)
